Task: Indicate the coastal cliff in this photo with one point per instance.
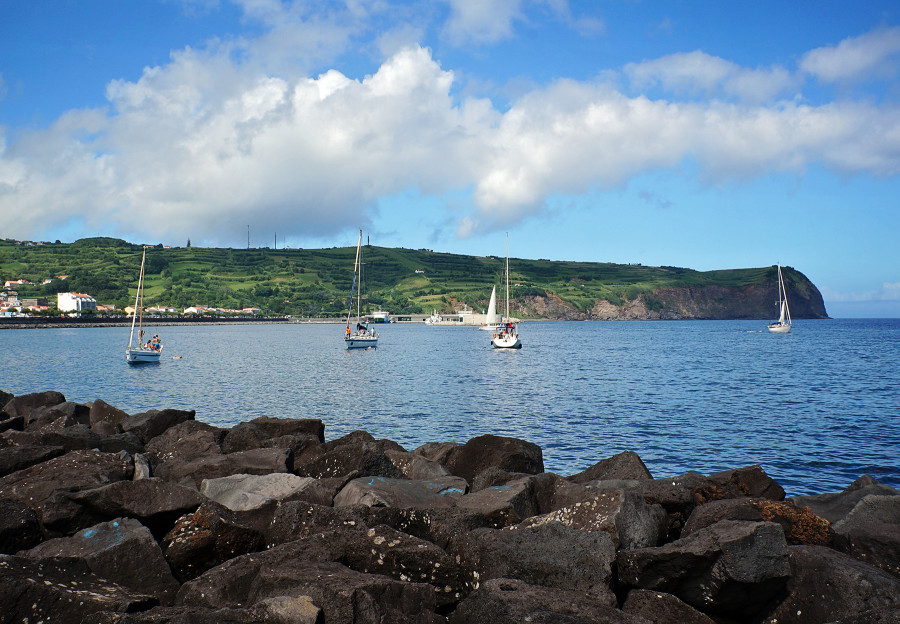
(710, 302)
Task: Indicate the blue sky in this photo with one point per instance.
(698, 133)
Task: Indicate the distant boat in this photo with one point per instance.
(507, 337)
(490, 321)
(381, 316)
(434, 319)
(363, 337)
(783, 324)
(142, 352)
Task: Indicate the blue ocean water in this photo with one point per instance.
(816, 408)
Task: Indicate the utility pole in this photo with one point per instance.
(248, 237)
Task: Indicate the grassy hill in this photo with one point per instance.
(316, 282)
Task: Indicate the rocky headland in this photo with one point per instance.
(115, 518)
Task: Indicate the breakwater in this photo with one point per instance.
(112, 517)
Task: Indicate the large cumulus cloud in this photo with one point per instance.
(208, 143)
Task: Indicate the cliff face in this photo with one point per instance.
(685, 303)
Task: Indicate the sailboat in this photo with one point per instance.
(490, 321)
(783, 324)
(142, 352)
(506, 337)
(363, 337)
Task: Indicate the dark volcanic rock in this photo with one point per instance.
(62, 415)
(507, 504)
(67, 592)
(16, 423)
(625, 465)
(43, 486)
(661, 607)
(801, 526)
(436, 451)
(871, 532)
(279, 610)
(834, 506)
(5, 397)
(679, 495)
(19, 527)
(295, 519)
(624, 515)
(731, 568)
(550, 555)
(483, 452)
(192, 472)
(304, 438)
(356, 453)
(103, 413)
(344, 595)
(122, 551)
(509, 601)
(23, 404)
(156, 503)
(14, 458)
(148, 425)
(750, 481)
(494, 476)
(383, 550)
(208, 537)
(438, 526)
(416, 467)
(826, 586)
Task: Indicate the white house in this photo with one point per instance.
(75, 302)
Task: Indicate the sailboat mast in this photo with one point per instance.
(353, 283)
(137, 299)
(507, 277)
(141, 295)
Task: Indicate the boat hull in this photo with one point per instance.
(361, 342)
(142, 356)
(506, 341)
(779, 328)
(490, 328)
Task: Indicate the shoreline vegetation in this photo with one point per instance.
(156, 518)
(314, 283)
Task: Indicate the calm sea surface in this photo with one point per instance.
(816, 408)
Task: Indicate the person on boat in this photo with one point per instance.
(348, 331)
(155, 343)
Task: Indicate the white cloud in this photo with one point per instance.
(856, 58)
(700, 74)
(205, 145)
(481, 22)
(889, 291)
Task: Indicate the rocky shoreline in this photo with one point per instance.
(115, 518)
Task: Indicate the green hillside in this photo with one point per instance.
(316, 282)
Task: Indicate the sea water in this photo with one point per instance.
(816, 408)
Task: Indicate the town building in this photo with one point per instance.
(75, 302)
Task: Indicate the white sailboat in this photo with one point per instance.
(506, 337)
(142, 352)
(363, 337)
(490, 321)
(783, 324)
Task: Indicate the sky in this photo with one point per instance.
(693, 133)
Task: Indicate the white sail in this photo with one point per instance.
(506, 337)
(492, 308)
(783, 324)
(142, 352)
(363, 337)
